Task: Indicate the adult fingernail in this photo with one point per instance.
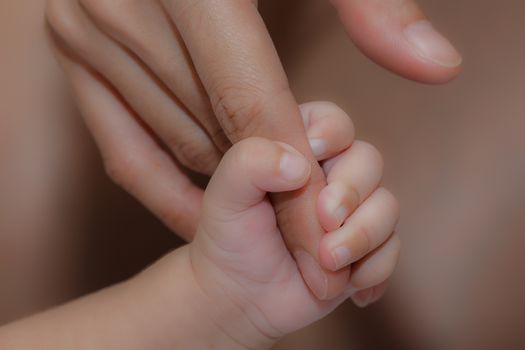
(431, 45)
(319, 147)
(294, 167)
(312, 273)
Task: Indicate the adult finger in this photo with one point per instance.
(159, 108)
(131, 156)
(250, 96)
(147, 31)
(397, 35)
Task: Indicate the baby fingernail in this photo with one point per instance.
(294, 167)
(363, 298)
(318, 146)
(341, 256)
(432, 45)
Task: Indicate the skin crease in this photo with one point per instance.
(425, 298)
(244, 294)
(247, 99)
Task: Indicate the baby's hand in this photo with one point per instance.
(238, 256)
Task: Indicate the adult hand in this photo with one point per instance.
(197, 76)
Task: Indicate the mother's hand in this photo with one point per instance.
(194, 76)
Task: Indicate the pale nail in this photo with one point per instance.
(294, 167)
(361, 300)
(431, 45)
(318, 146)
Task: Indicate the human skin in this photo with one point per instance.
(464, 144)
(222, 290)
(429, 303)
(203, 75)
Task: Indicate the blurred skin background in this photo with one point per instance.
(455, 156)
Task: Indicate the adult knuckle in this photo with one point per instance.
(238, 105)
(192, 154)
(119, 18)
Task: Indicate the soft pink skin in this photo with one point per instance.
(236, 286)
(239, 253)
(203, 75)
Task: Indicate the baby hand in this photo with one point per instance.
(239, 258)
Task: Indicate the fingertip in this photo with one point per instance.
(431, 45)
(293, 166)
(366, 297)
(329, 128)
(363, 298)
(254, 167)
(398, 36)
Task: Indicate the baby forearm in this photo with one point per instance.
(159, 309)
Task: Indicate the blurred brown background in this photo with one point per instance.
(455, 156)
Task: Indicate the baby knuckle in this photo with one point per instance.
(337, 115)
(391, 202)
(396, 242)
(329, 108)
(256, 155)
(353, 196)
(365, 238)
(373, 154)
(249, 149)
(391, 260)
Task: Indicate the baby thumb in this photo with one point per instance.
(249, 170)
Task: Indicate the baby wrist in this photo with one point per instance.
(226, 313)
